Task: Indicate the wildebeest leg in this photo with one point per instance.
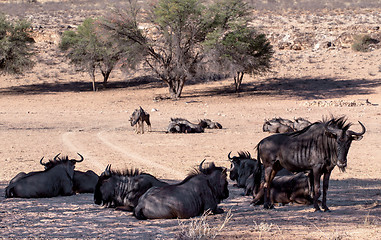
(269, 176)
(325, 189)
(141, 126)
(258, 197)
(311, 183)
(317, 193)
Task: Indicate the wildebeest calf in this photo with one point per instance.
(201, 191)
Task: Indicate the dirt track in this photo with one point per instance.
(52, 110)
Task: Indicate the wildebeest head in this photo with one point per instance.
(300, 123)
(217, 179)
(337, 129)
(236, 163)
(58, 160)
(123, 188)
(135, 116)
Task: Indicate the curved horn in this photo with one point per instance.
(230, 158)
(79, 160)
(55, 157)
(200, 166)
(41, 162)
(360, 133)
(230, 169)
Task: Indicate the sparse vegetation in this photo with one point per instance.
(88, 49)
(363, 43)
(16, 46)
(199, 228)
(174, 41)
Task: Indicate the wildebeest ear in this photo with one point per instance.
(356, 138)
(330, 134)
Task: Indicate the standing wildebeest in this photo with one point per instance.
(56, 180)
(300, 123)
(201, 191)
(83, 182)
(181, 125)
(137, 119)
(123, 189)
(207, 123)
(278, 125)
(319, 148)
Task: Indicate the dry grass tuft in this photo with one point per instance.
(199, 228)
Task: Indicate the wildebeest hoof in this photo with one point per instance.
(318, 210)
(327, 210)
(268, 206)
(218, 211)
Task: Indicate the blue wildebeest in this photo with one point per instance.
(83, 182)
(55, 180)
(278, 125)
(285, 189)
(207, 123)
(181, 125)
(201, 191)
(242, 169)
(318, 148)
(122, 189)
(137, 119)
(300, 123)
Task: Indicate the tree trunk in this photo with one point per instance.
(175, 87)
(106, 75)
(92, 75)
(238, 81)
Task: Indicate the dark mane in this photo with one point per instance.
(340, 123)
(206, 170)
(124, 173)
(59, 160)
(244, 155)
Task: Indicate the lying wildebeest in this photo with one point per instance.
(243, 169)
(278, 125)
(137, 119)
(181, 125)
(201, 191)
(56, 180)
(83, 182)
(242, 166)
(122, 189)
(300, 123)
(287, 189)
(318, 148)
(207, 123)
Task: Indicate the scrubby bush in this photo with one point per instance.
(363, 43)
(16, 46)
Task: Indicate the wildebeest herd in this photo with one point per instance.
(176, 125)
(288, 169)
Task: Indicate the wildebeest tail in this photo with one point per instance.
(138, 213)
(258, 171)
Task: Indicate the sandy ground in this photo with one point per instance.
(50, 111)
